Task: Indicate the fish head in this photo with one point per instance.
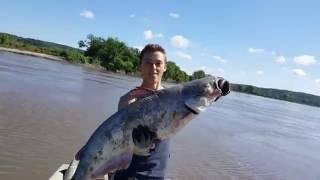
(201, 93)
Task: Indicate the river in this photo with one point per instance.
(48, 110)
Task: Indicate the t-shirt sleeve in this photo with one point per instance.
(132, 96)
(123, 101)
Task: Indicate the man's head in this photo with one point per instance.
(152, 63)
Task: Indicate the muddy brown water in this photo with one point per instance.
(48, 110)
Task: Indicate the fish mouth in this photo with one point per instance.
(224, 86)
(221, 88)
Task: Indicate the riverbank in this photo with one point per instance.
(50, 57)
(56, 58)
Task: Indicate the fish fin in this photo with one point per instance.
(196, 106)
(121, 161)
(143, 139)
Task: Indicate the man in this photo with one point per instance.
(152, 62)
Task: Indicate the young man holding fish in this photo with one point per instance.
(135, 139)
(152, 63)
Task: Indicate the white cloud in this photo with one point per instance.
(304, 60)
(139, 47)
(174, 15)
(132, 15)
(148, 35)
(183, 55)
(220, 59)
(179, 41)
(260, 72)
(254, 50)
(280, 59)
(298, 72)
(87, 14)
(317, 81)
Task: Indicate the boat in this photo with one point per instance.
(65, 169)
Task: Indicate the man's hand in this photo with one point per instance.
(78, 155)
(143, 137)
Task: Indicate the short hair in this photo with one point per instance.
(151, 48)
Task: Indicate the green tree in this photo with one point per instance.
(198, 74)
(82, 44)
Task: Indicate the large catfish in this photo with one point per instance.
(161, 114)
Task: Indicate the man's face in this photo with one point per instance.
(153, 65)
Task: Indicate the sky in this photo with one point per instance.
(271, 44)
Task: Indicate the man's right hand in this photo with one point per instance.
(78, 154)
(143, 138)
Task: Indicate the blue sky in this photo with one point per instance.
(273, 44)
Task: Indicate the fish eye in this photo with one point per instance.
(214, 85)
(207, 86)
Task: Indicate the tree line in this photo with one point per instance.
(295, 97)
(115, 55)
(68, 53)
(110, 54)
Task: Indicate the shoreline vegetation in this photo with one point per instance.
(112, 55)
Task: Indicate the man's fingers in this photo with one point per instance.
(142, 136)
(146, 135)
(78, 154)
